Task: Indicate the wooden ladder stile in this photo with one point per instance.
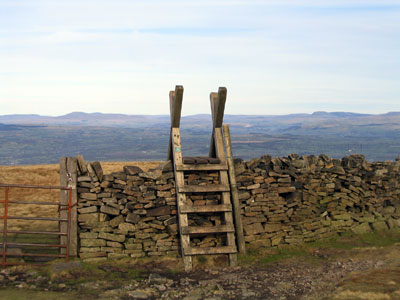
(217, 101)
(175, 153)
(216, 162)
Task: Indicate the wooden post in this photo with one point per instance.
(226, 199)
(217, 110)
(181, 197)
(234, 191)
(68, 178)
(175, 108)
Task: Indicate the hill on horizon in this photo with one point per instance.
(111, 119)
(82, 118)
(35, 139)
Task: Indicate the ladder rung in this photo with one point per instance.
(203, 188)
(210, 250)
(205, 167)
(186, 209)
(207, 229)
(200, 160)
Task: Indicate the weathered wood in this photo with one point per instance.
(73, 170)
(175, 107)
(200, 160)
(181, 197)
(68, 178)
(206, 167)
(203, 188)
(189, 160)
(218, 163)
(213, 103)
(220, 107)
(205, 208)
(213, 160)
(210, 250)
(207, 229)
(226, 196)
(217, 101)
(234, 191)
(171, 109)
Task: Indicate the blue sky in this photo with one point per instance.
(275, 57)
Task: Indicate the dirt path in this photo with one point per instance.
(306, 273)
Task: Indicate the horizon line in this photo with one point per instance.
(188, 115)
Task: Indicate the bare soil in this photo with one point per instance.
(335, 271)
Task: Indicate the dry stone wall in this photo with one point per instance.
(288, 200)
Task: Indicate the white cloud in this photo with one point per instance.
(124, 56)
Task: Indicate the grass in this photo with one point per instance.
(115, 271)
(23, 294)
(284, 254)
(202, 259)
(347, 241)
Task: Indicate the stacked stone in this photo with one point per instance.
(126, 214)
(295, 199)
(288, 200)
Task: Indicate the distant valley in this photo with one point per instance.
(34, 139)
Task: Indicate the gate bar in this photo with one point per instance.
(34, 232)
(34, 218)
(36, 203)
(36, 254)
(37, 245)
(47, 187)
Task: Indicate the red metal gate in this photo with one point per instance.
(7, 202)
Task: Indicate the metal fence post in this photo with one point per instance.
(68, 178)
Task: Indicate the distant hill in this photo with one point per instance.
(133, 121)
(32, 139)
(89, 119)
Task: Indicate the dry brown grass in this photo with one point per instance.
(109, 167)
(43, 175)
